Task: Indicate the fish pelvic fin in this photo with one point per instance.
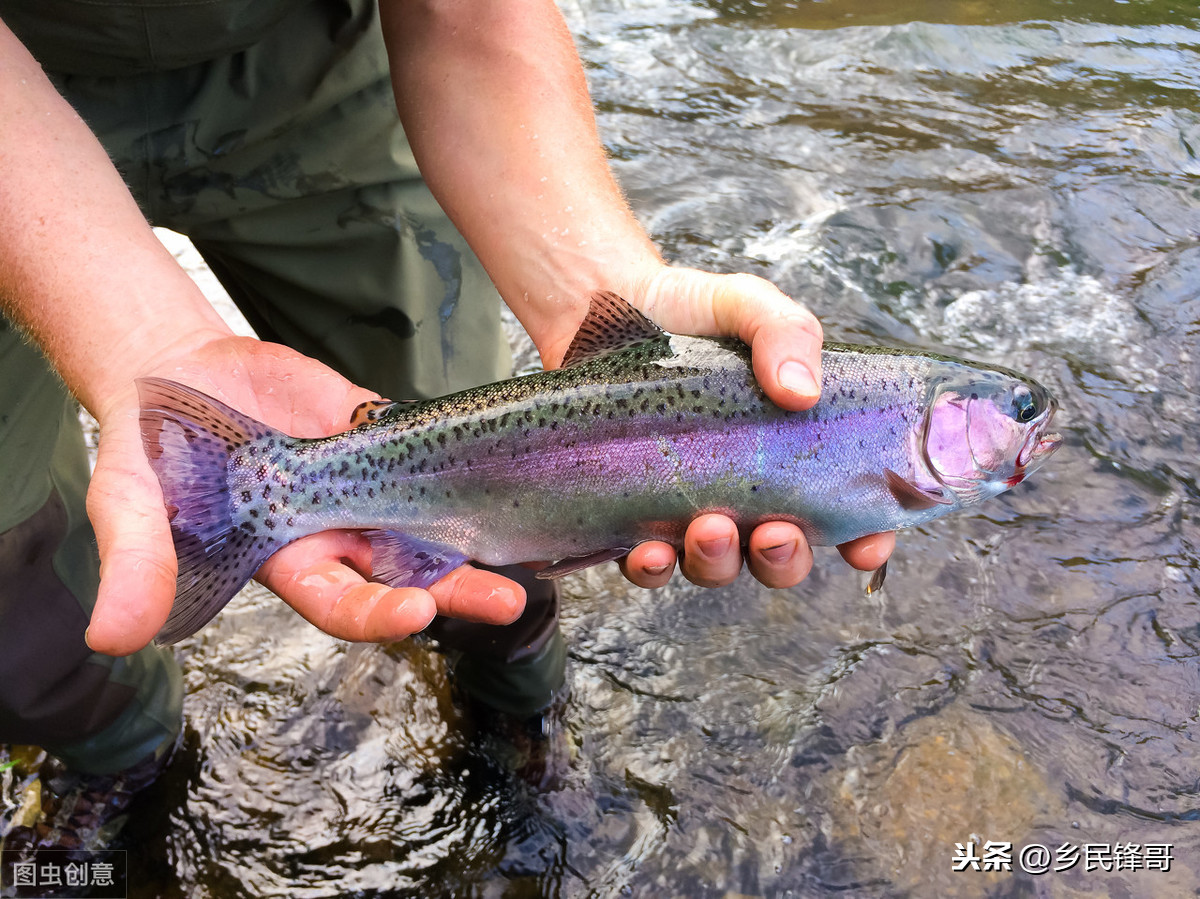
(611, 324)
(579, 563)
(188, 438)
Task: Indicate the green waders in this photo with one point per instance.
(285, 164)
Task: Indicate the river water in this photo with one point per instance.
(1014, 181)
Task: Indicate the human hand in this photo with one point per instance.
(321, 576)
(785, 345)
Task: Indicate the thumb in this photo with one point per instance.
(783, 336)
(137, 556)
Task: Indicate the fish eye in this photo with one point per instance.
(1024, 407)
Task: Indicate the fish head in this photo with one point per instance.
(985, 430)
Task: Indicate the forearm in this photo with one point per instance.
(494, 101)
(80, 269)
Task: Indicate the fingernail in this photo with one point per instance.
(796, 378)
(780, 553)
(507, 600)
(714, 549)
(655, 570)
(87, 639)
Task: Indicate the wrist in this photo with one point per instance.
(111, 389)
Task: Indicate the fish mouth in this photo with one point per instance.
(1043, 447)
(1040, 444)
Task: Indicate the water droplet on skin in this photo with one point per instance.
(317, 580)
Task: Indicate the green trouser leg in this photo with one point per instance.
(97, 713)
(287, 167)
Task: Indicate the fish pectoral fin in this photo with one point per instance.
(911, 496)
(578, 563)
(373, 410)
(877, 578)
(611, 324)
(400, 560)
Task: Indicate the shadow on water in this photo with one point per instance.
(1017, 182)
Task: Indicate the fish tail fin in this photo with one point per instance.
(188, 438)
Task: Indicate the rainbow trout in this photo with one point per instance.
(638, 433)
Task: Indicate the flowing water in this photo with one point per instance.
(1016, 181)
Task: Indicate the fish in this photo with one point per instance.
(638, 433)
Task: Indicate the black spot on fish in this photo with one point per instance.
(245, 496)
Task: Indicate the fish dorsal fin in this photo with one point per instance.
(611, 324)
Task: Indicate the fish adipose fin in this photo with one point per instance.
(578, 563)
(188, 437)
(399, 560)
(912, 497)
(611, 324)
(373, 410)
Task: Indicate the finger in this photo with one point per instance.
(712, 554)
(868, 553)
(323, 578)
(137, 556)
(337, 599)
(784, 337)
(649, 564)
(778, 555)
(477, 595)
(786, 356)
